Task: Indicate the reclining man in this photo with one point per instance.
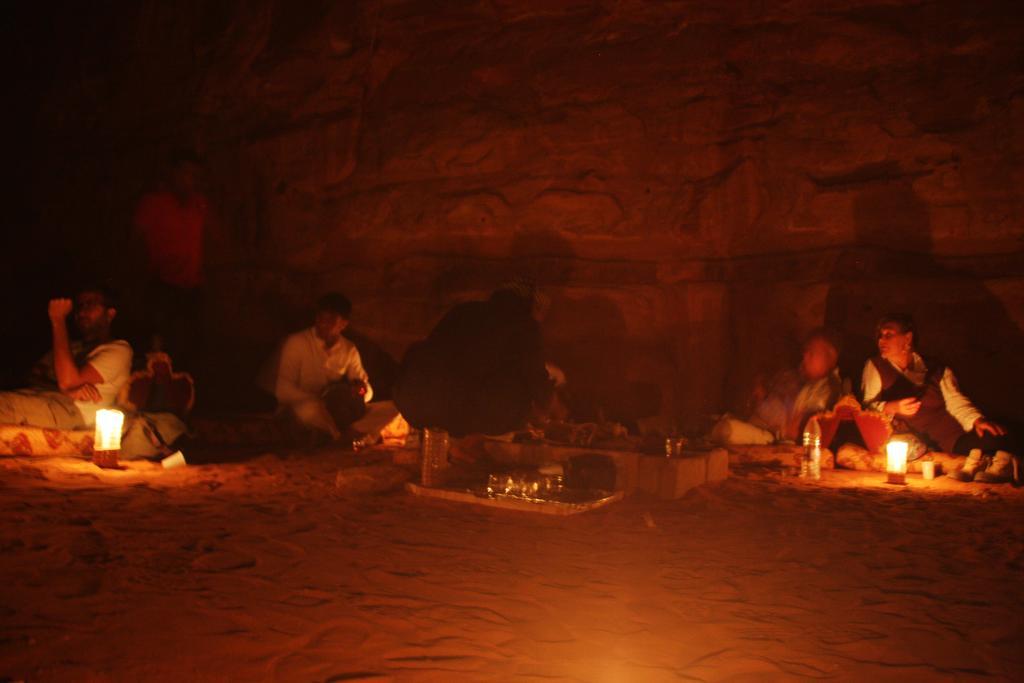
(320, 377)
(783, 407)
(75, 379)
(924, 398)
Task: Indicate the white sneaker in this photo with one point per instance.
(999, 470)
(974, 464)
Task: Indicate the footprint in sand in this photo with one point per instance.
(77, 585)
(222, 561)
(89, 547)
(306, 600)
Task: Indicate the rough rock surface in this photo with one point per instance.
(696, 183)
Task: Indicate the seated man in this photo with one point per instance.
(783, 407)
(76, 379)
(925, 401)
(320, 377)
(481, 370)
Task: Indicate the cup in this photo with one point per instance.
(928, 469)
(434, 446)
(177, 459)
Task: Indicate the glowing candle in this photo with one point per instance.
(896, 462)
(107, 441)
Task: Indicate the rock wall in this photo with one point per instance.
(696, 183)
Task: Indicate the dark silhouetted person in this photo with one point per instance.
(481, 370)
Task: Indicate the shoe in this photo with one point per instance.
(346, 440)
(365, 441)
(974, 464)
(999, 470)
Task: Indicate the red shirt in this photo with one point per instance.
(173, 234)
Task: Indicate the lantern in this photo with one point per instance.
(107, 441)
(896, 462)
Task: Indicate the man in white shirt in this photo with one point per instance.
(75, 379)
(320, 376)
(924, 399)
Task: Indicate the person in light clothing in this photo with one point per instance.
(782, 407)
(320, 377)
(925, 400)
(75, 379)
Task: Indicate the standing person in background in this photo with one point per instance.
(171, 222)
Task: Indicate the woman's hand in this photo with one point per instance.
(906, 407)
(981, 425)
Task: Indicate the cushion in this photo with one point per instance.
(874, 427)
(155, 401)
(27, 440)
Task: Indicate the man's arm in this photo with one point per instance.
(355, 372)
(112, 362)
(286, 388)
(69, 375)
(85, 393)
(958, 405)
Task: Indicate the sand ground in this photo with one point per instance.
(266, 570)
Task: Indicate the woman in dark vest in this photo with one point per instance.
(923, 397)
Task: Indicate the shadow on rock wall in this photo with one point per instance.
(585, 334)
(587, 339)
(959, 321)
(584, 328)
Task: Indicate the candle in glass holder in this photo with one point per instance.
(896, 462)
(107, 440)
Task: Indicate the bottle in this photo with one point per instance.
(426, 454)
(810, 463)
(435, 456)
(816, 460)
